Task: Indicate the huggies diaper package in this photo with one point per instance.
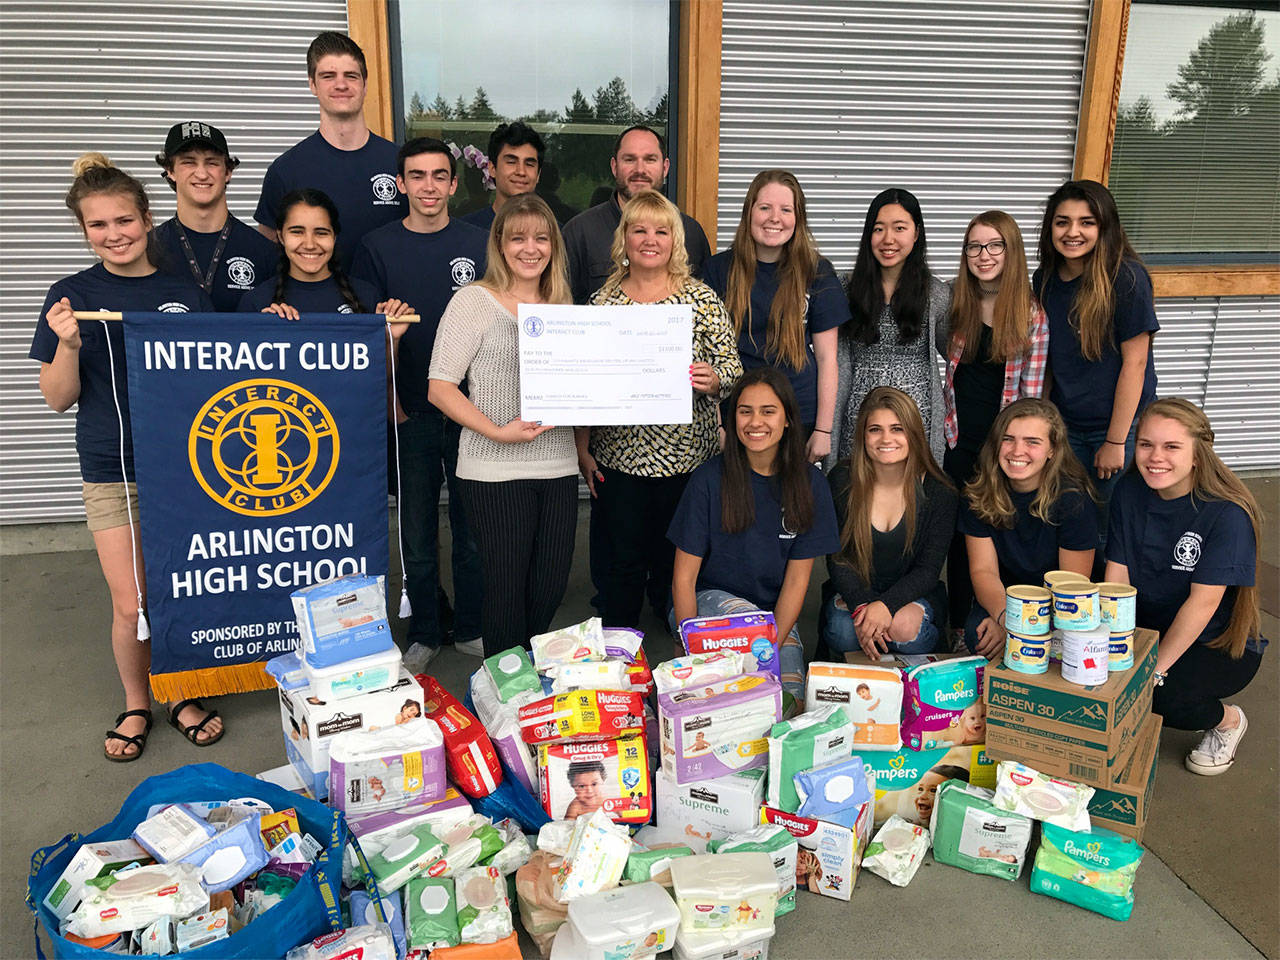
(364, 910)
(582, 641)
(907, 782)
(871, 697)
(503, 727)
(343, 619)
(597, 855)
(627, 923)
(582, 715)
(834, 791)
(512, 673)
(943, 704)
(1063, 803)
(137, 898)
(430, 913)
(780, 845)
(750, 633)
(591, 675)
(387, 768)
(484, 912)
(699, 812)
(721, 732)
(897, 851)
(801, 743)
(1094, 870)
(650, 864)
(608, 775)
(471, 761)
(971, 832)
(700, 669)
(729, 892)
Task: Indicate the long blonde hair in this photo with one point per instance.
(855, 537)
(553, 286)
(988, 491)
(1213, 480)
(797, 269)
(1011, 314)
(652, 206)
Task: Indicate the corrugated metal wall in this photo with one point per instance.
(77, 76)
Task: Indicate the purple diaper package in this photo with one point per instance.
(755, 633)
(386, 768)
(718, 729)
(942, 704)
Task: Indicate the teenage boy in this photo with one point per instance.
(423, 259)
(222, 254)
(515, 160)
(344, 158)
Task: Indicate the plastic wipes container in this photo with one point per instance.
(725, 892)
(753, 945)
(353, 677)
(639, 920)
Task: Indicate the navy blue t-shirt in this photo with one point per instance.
(482, 218)
(247, 259)
(1029, 549)
(1085, 390)
(1167, 545)
(424, 270)
(827, 308)
(753, 563)
(311, 296)
(97, 426)
(361, 183)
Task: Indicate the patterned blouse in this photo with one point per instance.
(668, 450)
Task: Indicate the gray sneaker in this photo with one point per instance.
(473, 647)
(418, 656)
(1217, 751)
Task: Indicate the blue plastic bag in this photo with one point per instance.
(510, 799)
(309, 911)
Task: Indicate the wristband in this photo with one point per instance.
(820, 430)
(1118, 443)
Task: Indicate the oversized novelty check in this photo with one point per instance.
(591, 366)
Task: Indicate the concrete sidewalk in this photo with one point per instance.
(1208, 886)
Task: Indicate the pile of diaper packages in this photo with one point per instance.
(190, 874)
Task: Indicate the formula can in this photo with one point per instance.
(1055, 647)
(1086, 656)
(1120, 652)
(1026, 654)
(1028, 610)
(1117, 603)
(1075, 606)
(1061, 576)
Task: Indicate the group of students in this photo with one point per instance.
(792, 369)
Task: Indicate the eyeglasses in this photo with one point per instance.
(974, 250)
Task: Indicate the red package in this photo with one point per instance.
(640, 675)
(582, 715)
(469, 755)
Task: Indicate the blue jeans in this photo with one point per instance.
(718, 603)
(842, 638)
(1085, 445)
(977, 613)
(429, 457)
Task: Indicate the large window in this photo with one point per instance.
(578, 71)
(1196, 162)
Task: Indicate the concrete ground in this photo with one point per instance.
(1209, 886)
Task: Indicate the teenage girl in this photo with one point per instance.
(785, 301)
(82, 364)
(1026, 511)
(897, 511)
(899, 319)
(1102, 316)
(1184, 532)
(752, 519)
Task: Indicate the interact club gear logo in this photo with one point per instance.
(1186, 552)
(534, 326)
(240, 271)
(384, 188)
(263, 448)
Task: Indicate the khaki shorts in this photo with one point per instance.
(104, 505)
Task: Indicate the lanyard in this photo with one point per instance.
(205, 282)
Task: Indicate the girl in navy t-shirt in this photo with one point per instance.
(82, 364)
(752, 520)
(1184, 532)
(1027, 511)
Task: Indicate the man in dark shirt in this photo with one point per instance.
(515, 162)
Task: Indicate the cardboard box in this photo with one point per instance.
(1125, 805)
(91, 860)
(1083, 733)
(694, 813)
(903, 661)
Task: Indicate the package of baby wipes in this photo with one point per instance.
(907, 782)
(591, 675)
(364, 942)
(378, 829)
(1094, 869)
(623, 643)
(343, 619)
(470, 759)
(1023, 790)
(554, 836)
(430, 913)
(388, 768)
(970, 832)
(405, 858)
(172, 832)
(91, 860)
(897, 851)
(780, 845)
(755, 634)
(596, 857)
(466, 843)
(231, 855)
(942, 704)
(582, 715)
(540, 912)
(364, 910)
(722, 730)
(156, 940)
(801, 743)
(725, 891)
(834, 791)
(871, 697)
(696, 670)
(609, 775)
(136, 898)
(512, 673)
(515, 850)
(651, 863)
(582, 641)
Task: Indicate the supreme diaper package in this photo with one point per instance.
(727, 892)
(364, 910)
(699, 669)
(500, 722)
(582, 641)
(755, 634)
(342, 619)
(609, 775)
(809, 740)
(1094, 869)
(597, 855)
(385, 769)
(781, 846)
(969, 831)
(484, 912)
(699, 812)
(896, 851)
(942, 704)
(723, 731)
(907, 782)
(834, 791)
(512, 674)
(470, 759)
(582, 715)
(1063, 803)
(91, 860)
(136, 898)
(871, 697)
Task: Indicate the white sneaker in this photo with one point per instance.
(1217, 751)
(474, 647)
(418, 656)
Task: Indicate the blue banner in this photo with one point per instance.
(260, 451)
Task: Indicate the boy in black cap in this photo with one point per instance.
(222, 254)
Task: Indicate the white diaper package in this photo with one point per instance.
(896, 851)
(342, 619)
(554, 836)
(627, 923)
(405, 858)
(503, 726)
(833, 791)
(364, 910)
(484, 912)
(696, 813)
(173, 832)
(595, 859)
(871, 697)
(375, 770)
(231, 855)
(731, 892)
(582, 641)
(780, 845)
(137, 898)
(1064, 803)
(365, 942)
(700, 669)
(591, 675)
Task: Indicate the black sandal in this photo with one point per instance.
(140, 741)
(193, 732)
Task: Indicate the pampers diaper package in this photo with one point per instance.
(780, 845)
(1094, 869)
(1063, 803)
(342, 620)
(725, 892)
(801, 743)
(699, 812)
(971, 832)
(907, 782)
(897, 851)
(387, 768)
(608, 775)
(721, 732)
(755, 634)
(871, 697)
(942, 704)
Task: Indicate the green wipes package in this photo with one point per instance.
(647, 864)
(431, 913)
(971, 833)
(1093, 869)
(780, 845)
(512, 673)
(807, 741)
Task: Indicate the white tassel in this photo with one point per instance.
(144, 628)
(406, 610)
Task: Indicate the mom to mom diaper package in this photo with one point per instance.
(942, 704)
(871, 697)
(371, 771)
(907, 782)
(722, 731)
(699, 812)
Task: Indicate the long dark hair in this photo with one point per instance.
(791, 473)
(308, 197)
(910, 298)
